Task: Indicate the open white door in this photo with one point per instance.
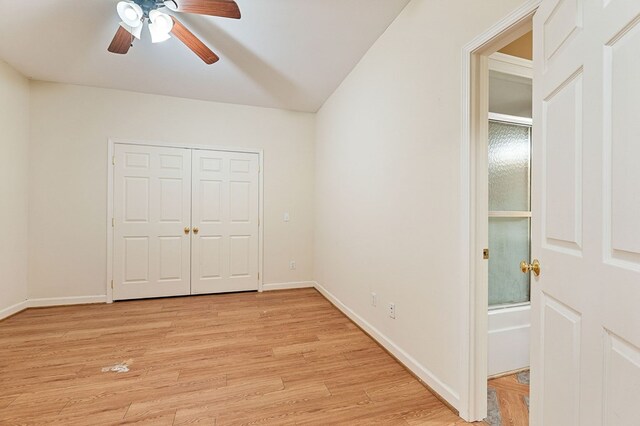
(585, 358)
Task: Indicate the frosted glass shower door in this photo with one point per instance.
(509, 209)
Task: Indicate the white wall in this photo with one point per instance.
(387, 184)
(14, 145)
(70, 126)
(510, 94)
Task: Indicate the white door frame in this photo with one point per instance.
(109, 225)
(474, 206)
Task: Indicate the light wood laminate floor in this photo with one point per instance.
(286, 357)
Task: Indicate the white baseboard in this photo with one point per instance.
(60, 301)
(11, 310)
(288, 286)
(419, 370)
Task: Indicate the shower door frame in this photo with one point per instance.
(524, 122)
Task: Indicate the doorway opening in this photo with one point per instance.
(510, 120)
(585, 346)
(497, 122)
(509, 207)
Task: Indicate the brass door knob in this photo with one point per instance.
(196, 229)
(187, 230)
(526, 267)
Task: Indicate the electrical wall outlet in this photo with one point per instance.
(392, 310)
(292, 265)
(374, 299)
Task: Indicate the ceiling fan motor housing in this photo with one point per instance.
(149, 5)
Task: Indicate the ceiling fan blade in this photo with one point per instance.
(192, 42)
(224, 8)
(121, 41)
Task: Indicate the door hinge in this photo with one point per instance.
(113, 222)
(111, 284)
(258, 276)
(113, 160)
(485, 254)
(258, 222)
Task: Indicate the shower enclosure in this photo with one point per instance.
(509, 242)
(509, 220)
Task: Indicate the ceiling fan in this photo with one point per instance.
(135, 13)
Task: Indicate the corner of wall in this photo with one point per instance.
(14, 141)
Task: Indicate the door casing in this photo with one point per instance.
(474, 205)
(110, 175)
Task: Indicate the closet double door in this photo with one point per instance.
(185, 222)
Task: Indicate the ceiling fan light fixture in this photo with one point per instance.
(171, 5)
(160, 26)
(130, 13)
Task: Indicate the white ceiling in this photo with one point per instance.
(289, 54)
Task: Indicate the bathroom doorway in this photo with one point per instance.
(509, 231)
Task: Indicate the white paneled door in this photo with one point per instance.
(152, 209)
(585, 359)
(225, 219)
(185, 222)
